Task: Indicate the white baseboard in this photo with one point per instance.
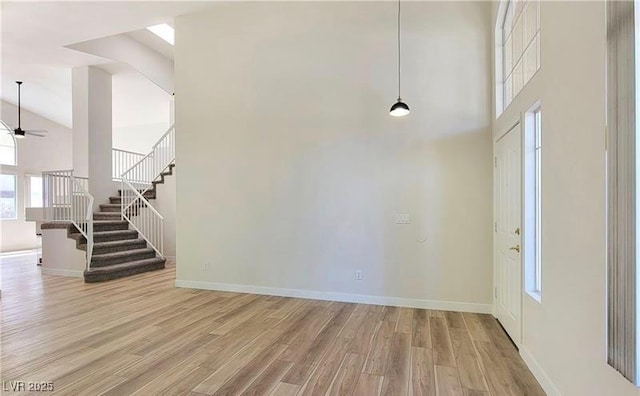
(342, 297)
(62, 272)
(539, 373)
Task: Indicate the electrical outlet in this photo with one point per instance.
(403, 218)
(358, 275)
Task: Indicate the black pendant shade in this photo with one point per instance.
(399, 109)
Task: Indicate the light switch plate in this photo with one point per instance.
(402, 218)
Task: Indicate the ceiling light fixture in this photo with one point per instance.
(399, 109)
(163, 31)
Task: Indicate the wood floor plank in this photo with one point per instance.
(442, 350)
(396, 378)
(455, 320)
(269, 379)
(447, 381)
(405, 321)
(364, 335)
(284, 389)
(346, 379)
(216, 380)
(522, 379)
(379, 351)
(497, 375)
(475, 327)
(473, 392)
(422, 375)
(323, 376)
(469, 371)
(421, 332)
(249, 372)
(185, 383)
(368, 385)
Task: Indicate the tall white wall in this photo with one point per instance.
(292, 171)
(35, 155)
(564, 336)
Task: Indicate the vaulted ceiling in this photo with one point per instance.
(33, 36)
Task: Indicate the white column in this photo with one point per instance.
(92, 130)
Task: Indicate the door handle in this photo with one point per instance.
(516, 248)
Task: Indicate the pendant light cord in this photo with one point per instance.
(398, 49)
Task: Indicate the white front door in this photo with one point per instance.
(508, 243)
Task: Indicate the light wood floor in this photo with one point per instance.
(142, 336)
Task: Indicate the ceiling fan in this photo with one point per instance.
(19, 132)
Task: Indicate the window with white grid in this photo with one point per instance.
(520, 46)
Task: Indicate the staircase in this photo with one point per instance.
(117, 250)
(126, 236)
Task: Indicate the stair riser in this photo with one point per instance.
(110, 209)
(122, 225)
(93, 278)
(101, 262)
(109, 238)
(123, 248)
(149, 194)
(107, 216)
(118, 200)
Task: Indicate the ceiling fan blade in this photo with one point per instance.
(40, 133)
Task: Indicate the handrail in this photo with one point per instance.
(67, 199)
(122, 160)
(149, 224)
(141, 198)
(137, 180)
(127, 151)
(172, 127)
(79, 195)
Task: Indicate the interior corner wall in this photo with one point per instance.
(292, 172)
(35, 155)
(564, 336)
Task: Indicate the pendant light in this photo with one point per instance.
(399, 109)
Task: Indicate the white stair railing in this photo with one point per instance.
(122, 161)
(136, 208)
(67, 198)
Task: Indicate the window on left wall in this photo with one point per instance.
(8, 197)
(7, 147)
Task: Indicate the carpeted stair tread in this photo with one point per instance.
(116, 235)
(107, 216)
(117, 245)
(110, 208)
(115, 232)
(106, 259)
(115, 271)
(125, 253)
